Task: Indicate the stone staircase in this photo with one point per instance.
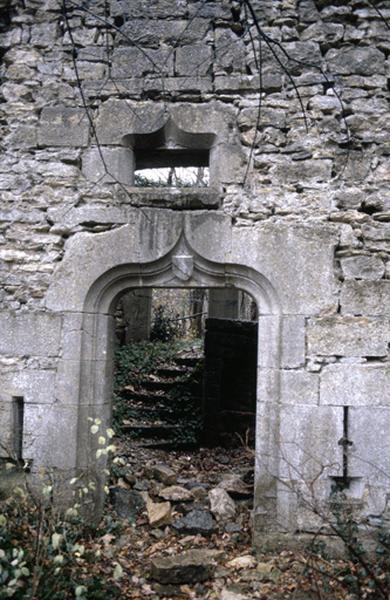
(163, 411)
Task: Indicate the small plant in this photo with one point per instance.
(135, 361)
(52, 553)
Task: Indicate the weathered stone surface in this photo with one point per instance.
(301, 270)
(246, 561)
(50, 435)
(229, 52)
(355, 385)
(365, 298)
(380, 232)
(128, 504)
(361, 61)
(309, 443)
(299, 387)
(63, 126)
(108, 165)
(348, 336)
(233, 484)
(133, 62)
(188, 567)
(363, 267)
(176, 493)
(159, 513)
(150, 33)
(36, 334)
(221, 504)
(229, 595)
(196, 521)
(193, 60)
(163, 473)
(369, 458)
(91, 255)
(155, 9)
(34, 385)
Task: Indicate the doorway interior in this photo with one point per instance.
(184, 397)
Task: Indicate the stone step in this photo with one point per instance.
(129, 393)
(168, 445)
(158, 385)
(172, 372)
(188, 361)
(158, 412)
(159, 430)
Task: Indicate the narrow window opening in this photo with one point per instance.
(171, 157)
(178, 177)
(18, 425)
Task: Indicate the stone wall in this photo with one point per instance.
(309, 218)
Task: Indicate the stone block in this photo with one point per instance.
(116, 118)
(269, 327)
(355, 385)
(78, 331)
(288, 386)
(50, 435)
(304, 170)
(380, 232)
(349, 198)
(188, 567)
(36, 386)
(153, 9)
(230, 52)
(348, 336)
(227, 164)
(214, 117)
(299, 387)
(150, 33)
(369, 457)
(362, 267)
(309, 442)
(362, 60)
(305, 51)
(270, 117)
(365, 298)
(200, 229)
(325, 104)
(323, 32)
(134, 62)
(29, 334)
(300, 271)
(272, 82)
(293, 350)
(69, 218)
(63, 126)
(109, 165)
(193, 60)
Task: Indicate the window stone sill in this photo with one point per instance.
(173, 198)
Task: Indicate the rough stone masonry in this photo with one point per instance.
(288, 106)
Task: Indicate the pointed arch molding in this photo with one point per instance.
(159, 252)
(178, 252)
(182, 266)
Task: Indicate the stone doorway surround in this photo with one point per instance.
(195, 249)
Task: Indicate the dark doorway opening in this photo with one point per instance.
(186, 367)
